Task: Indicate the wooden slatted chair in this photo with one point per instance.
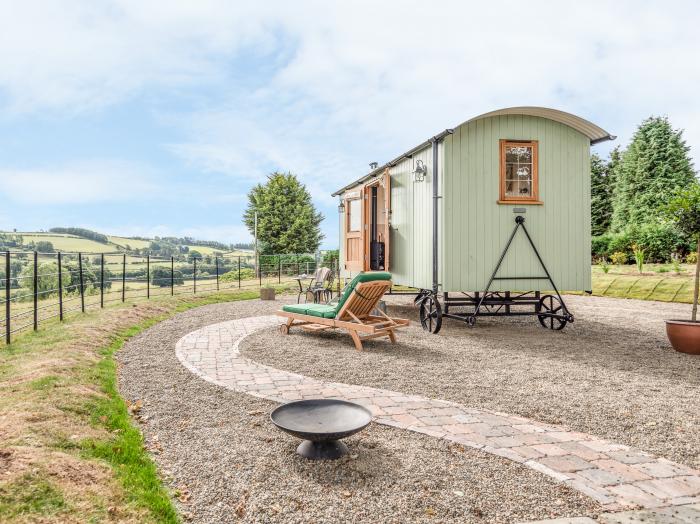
(353, 311)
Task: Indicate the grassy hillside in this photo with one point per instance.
(131, 242)
(65, 242)
(72, 243)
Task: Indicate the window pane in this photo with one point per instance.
(525, 188)
(355, 215)
(511, 188)
(523, 172)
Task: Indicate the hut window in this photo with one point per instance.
(354, 215)
(518, 171)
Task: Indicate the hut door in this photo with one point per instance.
(387, 218)
(354, 232)
(377, 196)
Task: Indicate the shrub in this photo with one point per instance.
(662, 269)
(639, 256)
(619, 258)
(604, 265)
(692, 258)
(658, 240)
(232, 276)
(676, 263)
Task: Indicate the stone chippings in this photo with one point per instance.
(224, 461)
(614, 475)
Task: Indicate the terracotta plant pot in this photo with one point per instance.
(684, 335)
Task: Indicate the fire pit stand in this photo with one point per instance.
(321, 423)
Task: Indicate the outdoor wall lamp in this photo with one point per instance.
(420, 171)
(341, 207)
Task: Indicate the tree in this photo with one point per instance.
(602, 183)
(654, 166)
(287, 219)
(160, 276)
(44, 246)
(684, 210)
(47, 277)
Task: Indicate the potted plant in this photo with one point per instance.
(684, 211)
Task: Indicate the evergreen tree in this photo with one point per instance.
(287, 219)
(654, 166)
(601, 195)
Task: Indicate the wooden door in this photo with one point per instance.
(354, 231)
(387, 219)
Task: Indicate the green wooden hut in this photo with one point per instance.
(440, 216)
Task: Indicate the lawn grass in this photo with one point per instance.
(68, 449)
(657, 282)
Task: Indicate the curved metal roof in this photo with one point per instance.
(594, 133)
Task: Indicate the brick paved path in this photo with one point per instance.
(617, 476)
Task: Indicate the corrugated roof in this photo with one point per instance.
(594, 133)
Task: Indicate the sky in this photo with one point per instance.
(156, 118)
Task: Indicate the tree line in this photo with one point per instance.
(630, 191)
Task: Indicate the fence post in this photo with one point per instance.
(124, 277)
(239, 272)
(216, 260)
(148, 276)
(194, 274)
(102, 280)
(7, 296)
(36, 291)
(260, 269)
(172, 276)
(298, 266)
(82, 286)
(60, 287)
(279, 269)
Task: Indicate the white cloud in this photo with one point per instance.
(87, 182)
(328, 87)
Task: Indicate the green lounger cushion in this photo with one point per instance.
(330, 311)
(315, 310)
(361, 277)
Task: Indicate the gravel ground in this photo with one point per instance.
(225, 461)
(612, 373)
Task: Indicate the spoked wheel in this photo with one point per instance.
(551, 305)
(431, 314)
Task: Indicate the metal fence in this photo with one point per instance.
(36, 287)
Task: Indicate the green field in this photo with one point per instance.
(133, 243)
(69, 243)
(74, 244)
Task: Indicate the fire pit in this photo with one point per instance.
(321, 423)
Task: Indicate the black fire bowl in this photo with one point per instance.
(321, 423)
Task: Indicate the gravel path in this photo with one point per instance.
(226, 462)
(611, 374)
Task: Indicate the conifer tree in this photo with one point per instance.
(601, 195)
(654, 166)
(287, 219)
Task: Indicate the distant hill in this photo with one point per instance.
(87, 241)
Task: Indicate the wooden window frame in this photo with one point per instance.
(534, 199)
(348, 215)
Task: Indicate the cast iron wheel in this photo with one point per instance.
(551, 305)
(431, 314)
(284, 329)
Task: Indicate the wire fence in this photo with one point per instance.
(36, 287)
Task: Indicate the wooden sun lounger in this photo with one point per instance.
(355, 316)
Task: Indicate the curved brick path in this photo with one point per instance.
(617, 476)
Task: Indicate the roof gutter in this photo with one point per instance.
(603, 139)
(393, 162)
